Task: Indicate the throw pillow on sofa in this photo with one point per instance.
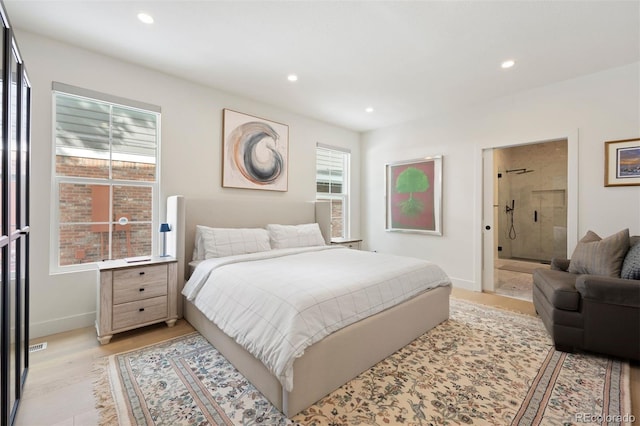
(596, 256)
(631, 264)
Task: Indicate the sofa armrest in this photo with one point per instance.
(616, 291)
(560, 264)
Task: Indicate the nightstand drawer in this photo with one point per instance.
(139, 312)
(352, 244)
(355, 246)
(139, 283)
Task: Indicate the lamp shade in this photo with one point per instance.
(164, 227)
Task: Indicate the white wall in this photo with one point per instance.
(190, 157)
(598, 107)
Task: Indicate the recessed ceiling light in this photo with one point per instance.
(292, 77)
(508, 64)
(369, 109)
(145, 18)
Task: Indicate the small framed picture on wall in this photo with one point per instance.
(622, 162)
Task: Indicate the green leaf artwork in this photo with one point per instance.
(409, 181)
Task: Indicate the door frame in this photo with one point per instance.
(484, 257)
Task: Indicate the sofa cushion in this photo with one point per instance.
(609, 290)
(559, 264)
(597, 256)
(558, 287)
(631, 264)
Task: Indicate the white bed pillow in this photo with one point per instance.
(198, 245)
(221, 242)
(292, 236)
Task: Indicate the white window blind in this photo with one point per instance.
(94, 129)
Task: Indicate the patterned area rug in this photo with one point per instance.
(483, 366)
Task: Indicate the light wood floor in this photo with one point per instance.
(59, 388)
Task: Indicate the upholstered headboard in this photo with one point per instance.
(183, 214)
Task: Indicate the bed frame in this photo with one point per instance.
(328, 364)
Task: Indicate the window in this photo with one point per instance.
(105, 178)
(332, 184)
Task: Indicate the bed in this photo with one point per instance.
(334, 359)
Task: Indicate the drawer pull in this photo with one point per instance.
(141, 289)
(141, 272)
(141, 309)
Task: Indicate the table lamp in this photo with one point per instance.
(164, 228)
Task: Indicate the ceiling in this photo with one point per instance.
(406, 59)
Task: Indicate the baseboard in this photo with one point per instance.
(464, 284)
(60, 325)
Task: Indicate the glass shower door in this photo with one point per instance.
(549, 225)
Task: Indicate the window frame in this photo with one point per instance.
(56, 181)
(343, 196)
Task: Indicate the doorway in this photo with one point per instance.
(529, 213)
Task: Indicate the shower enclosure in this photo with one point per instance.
(532, 201)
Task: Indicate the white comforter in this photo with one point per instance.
(277, 303)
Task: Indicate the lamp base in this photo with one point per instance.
(164, 245)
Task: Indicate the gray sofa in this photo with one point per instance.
(590, 312)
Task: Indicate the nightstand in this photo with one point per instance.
(347, 242)
(132, 295)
